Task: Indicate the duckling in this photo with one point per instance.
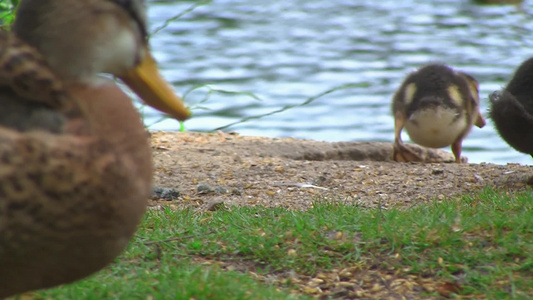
(512, 109)
(75, 161)
(438, 107)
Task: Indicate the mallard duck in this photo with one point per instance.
(512, 109)
(75, 161)
(438, 107)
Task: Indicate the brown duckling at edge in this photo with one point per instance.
(75, 161)
(512, 109)
(438, 107)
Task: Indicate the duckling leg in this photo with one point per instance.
(456, 149)
(400, 152)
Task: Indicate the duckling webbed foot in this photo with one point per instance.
(402, 153)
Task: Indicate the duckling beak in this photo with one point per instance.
(146, 81)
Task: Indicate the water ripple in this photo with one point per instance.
(288, 51)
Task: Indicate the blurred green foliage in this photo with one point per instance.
(7, 12)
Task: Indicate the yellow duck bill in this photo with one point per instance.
(146, 81)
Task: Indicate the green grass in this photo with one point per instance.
(167, 279)
(484, 242)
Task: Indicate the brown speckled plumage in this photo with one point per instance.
(32, 96)
(75, 162)
(25, 72)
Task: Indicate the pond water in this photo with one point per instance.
(287, 52)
